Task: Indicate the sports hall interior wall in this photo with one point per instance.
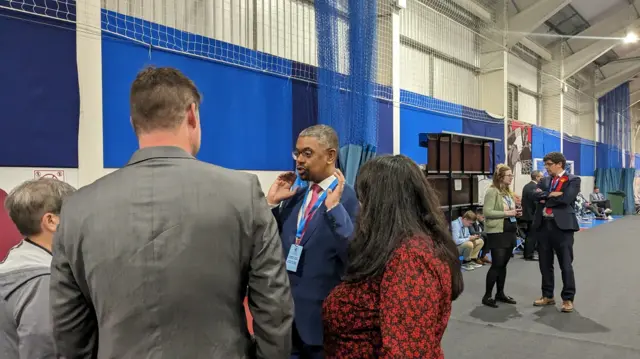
(250, 118)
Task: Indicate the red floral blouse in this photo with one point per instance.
(402, 314)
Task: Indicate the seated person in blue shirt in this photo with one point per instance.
(469, 245)
(478, 228)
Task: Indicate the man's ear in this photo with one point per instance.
(332, 155)
(192, 116)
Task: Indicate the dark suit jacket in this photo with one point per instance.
(154, 260)
(562, 207)
(528, 202)
(323, 260)
(476, 228)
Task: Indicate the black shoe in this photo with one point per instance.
(489, 302)
(505, 299)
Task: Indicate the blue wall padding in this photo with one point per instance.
(571, 151)
(385, 127)
(246, 115)
(39, 94)
(544, 141)
(587, 159)
(608, 156)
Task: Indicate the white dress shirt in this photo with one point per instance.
(324, 185)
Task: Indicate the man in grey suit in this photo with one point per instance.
(154, 260)
(600, 201)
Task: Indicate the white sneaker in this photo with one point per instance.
(468, 267)
(607, 211)
(476, 265)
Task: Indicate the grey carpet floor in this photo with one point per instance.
(606, 321)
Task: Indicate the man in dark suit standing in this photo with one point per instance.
(316, 223)
(555, 221)
(154, 259)
(528, 213)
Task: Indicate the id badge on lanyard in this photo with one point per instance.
(295, 252)
(465, 230)
(510, 204)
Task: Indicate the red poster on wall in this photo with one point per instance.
(519, 147)
(9, 235)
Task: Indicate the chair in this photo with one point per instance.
(521, 237)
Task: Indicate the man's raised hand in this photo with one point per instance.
(281, 188)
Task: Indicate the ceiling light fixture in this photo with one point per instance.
(630, 38)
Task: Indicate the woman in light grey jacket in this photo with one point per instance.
(500, 224)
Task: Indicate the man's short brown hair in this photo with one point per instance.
(556, 158)
(470, 215)
(159, 98)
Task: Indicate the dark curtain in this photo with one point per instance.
(615, 128)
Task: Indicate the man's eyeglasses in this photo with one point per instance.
(307, 153)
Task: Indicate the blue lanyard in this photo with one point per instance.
(303, 219)
(509, 201)
(465, 230)
(554, 186)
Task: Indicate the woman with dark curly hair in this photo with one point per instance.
(403, 270)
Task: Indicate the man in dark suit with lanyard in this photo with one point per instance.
(316, 223)
(555, 221)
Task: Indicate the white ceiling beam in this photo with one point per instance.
(634, 98)
(531, 18)
(610, 83)
(619, 65)
(538, 49)
(578, 60)
(584, 57)
(612, 21)
(475, 9)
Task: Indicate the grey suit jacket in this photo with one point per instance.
(154, 260)
(593, 197)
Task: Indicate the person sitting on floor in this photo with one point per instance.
(469, 245)
(583, 208)
(598, 199)
(478, 228)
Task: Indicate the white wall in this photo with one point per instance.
(522, 74)
(527, 108)
(10, 177)
(525, 76)
(438, 56)
(284, 28)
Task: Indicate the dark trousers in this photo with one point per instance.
(530, 243)
(300, 350)
(552, 239)
(483, 251)
(606, 204)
